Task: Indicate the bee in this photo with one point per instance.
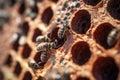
(113, 37)
(47, 45)
(40, 39)
(44, 56)
(62, 30)
(32, 64)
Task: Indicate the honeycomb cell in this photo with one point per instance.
(47, 15)
(22, 8)
(92, 2)
(105, 68)
(37, 33)
(113, 7)
(17, 69)
(8, 61)
(82, 78)
(81, 22)
(27, 76)
(80, 52)
(55, 36)
(101, 34)
(26, 51)
(25, 28)
(1, 75)
(54, 0)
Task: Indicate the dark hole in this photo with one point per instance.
(17, 69)
(54, 1)
(37, 33)
(82, 78)
(81, 22)
(101, 34)
(47, 15)
(25, 28)
(22, 8)
(55, 36)
(80, 53)
(92, 2)
(8, 60)
(39, 0)
(1, 76)
(105, 68)
(113, 8)
(27, 76)
(26, 51)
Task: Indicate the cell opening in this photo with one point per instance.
(22, 8)
(37, 33)
(39, 0)
(26, 51)
(92, 2)
(55, 36)
(17, 69)
(80, 53)
(113, 7)
(55, 1)
(27, 76)
(25, 28)
(82, 78)
(47, 15)
(101, 33)
(8, 61)
(105, 68)
(81, 22)
(1, 75)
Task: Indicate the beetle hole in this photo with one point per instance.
(101, 34)
(80, 53)
(8, 61)
(92, 2)
(47, 15)
(105, 68)
(113, 7)
(81, 22)
(27, 76)
(55, 36)
(26, 51)
(17, 69)
(37, 33)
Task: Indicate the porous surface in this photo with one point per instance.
(84, 53)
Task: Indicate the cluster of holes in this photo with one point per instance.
(26, 51)
(1, 75)
(113, 8)
(47, 15)
(27, 76)
(105, 68)
(101, 34)
(37, 33)
(55, 36)
(80, 53)
(8, 61)
(92, 2)
(81, 22)
(17, 69)
(82, 78)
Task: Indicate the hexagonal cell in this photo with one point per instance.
(101, 33)
(27, 76)
(113, 7)
(37, 33)
(8, 61)
(54, 0)
(17, 69)
(22, 8)
(82, 78)
(47, 15)
(26, 51)
(1, 75)
(105, 68)
(55, 36)
(80, 52)
(92, 2)
(81, 22)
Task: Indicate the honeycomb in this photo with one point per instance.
(83, 53)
